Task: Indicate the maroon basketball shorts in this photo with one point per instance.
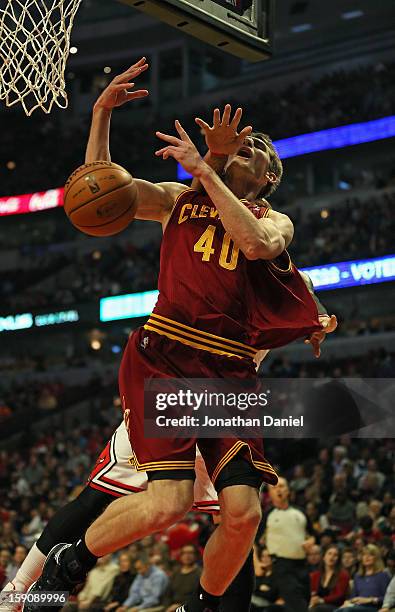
(151, 354)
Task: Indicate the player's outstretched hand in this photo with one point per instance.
(222, 138)
(328, 325)
(119, 91)
(181, 149)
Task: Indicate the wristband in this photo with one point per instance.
(218, 154)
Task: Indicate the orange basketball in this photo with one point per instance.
(100, 198)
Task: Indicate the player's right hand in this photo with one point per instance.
(222, 138)
(328, 326)
(118, 92)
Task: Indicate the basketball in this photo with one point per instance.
(100, 198)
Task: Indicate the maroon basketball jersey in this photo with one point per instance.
(207, 283)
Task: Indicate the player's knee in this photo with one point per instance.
(242, 515)
(176, 499)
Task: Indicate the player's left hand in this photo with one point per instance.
(328, 325)
(222, 138)
(181, 149)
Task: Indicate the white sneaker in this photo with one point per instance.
(5, 604)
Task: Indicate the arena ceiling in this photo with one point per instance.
(110, 27)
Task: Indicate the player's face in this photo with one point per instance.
(253, 157)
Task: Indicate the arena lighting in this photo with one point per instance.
(352, 14)
(127, 306)
(56, 318)
(302, 27)
(352, 273)
(325, 140)
(332, 276)
(15, 322)
(27, 320)
(31, 202)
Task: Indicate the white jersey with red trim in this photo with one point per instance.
(114, 473)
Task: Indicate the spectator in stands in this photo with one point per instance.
(375, 511)
(313, 514)
(266, 597)
(349, 561)
(34, 471)
(147, 588)
(9, 538)
(373, 479)
(366, 530)
(121, 584)
(34, 527)
(341, 512)
(98, 585)
(5, 558)
(389, 597)
(184, 580)
(339, 455)
(370, 583)
(299, 481)
(18, 558)
(314, 558)
(329, 584)
(390, 562)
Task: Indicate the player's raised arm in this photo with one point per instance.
(154, 201)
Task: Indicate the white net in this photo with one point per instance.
(34, 47)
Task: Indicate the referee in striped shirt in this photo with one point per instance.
(288, 536)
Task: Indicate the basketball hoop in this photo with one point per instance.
(34, 47)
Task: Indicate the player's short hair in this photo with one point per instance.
(275, 165)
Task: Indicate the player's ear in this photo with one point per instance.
(271, 177)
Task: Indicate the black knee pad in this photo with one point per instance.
(238, 471)
(71, 521)
(171, 475)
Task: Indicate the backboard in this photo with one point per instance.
(240, 27)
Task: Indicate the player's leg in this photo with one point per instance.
(237, 597)
(67, 525)
(164, 502)
(241, 514)
(229, 546)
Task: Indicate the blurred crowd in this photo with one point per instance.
(72, 278)
(24, 401)
(349, 231)
(338, 98)
(67, 277)
(345, 486)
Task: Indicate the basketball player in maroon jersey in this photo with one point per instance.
(227, 290)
